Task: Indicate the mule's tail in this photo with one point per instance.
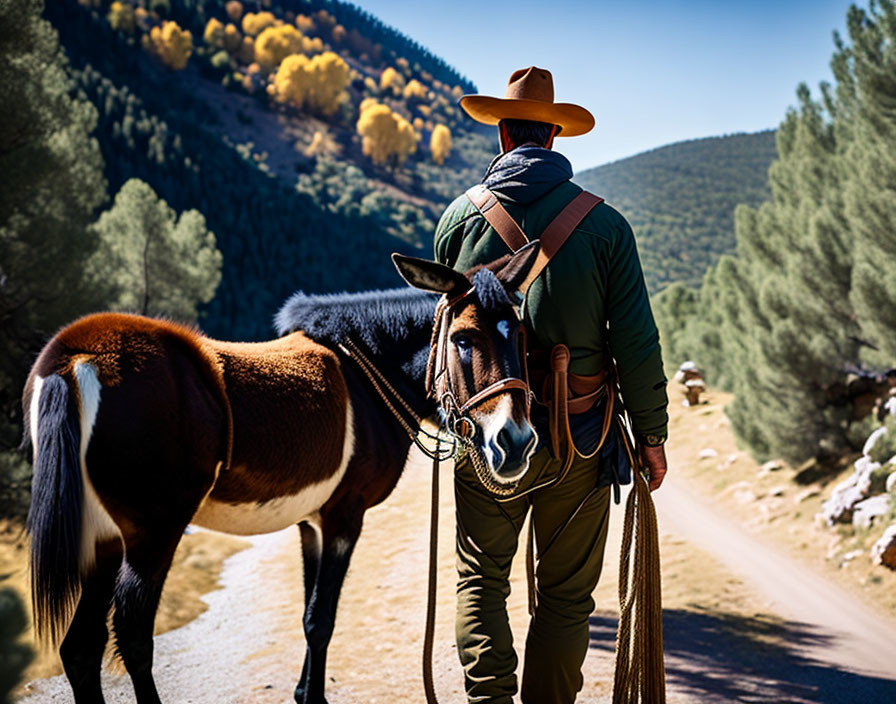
(55, 518)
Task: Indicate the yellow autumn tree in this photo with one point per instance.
(440, 144)
(390, 78)
(276, 43)
(172, 44)
(233, 40)
(254, 23)
(414, 89)
(214, 33)
(317, 84)
(304, 23)
(122, 17)
(386, 137)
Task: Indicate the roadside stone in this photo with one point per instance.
(866, 511)
(873, 439)
(884, 550)
(891, 481)
(771, 466)
(841, 504)
(852, 555)
(806, 494)
(707, 453)
(777, 491)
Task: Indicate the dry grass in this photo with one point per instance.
(196, 570)
(774, 504)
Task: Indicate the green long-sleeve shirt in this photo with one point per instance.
(591, 293)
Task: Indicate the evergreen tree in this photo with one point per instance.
(153, 262)
(784, 326)
(51, 181)
(675, 309)
(870, 189)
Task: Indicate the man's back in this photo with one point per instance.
(591, 297)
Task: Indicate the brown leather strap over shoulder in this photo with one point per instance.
(556, 234)
(552, 239)
(496, 216)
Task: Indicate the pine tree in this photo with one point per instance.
(870, 189)
(154, 262)
(785, 327)
(51, 181)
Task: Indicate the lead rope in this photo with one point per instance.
(429, 630)
(640, 672)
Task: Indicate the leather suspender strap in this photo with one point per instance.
(552, 239)
(496, 216)
(556, 234)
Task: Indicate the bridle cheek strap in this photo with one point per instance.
(499, 387)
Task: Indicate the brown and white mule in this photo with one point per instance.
(141, 427)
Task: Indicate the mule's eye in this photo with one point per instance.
(463, 342)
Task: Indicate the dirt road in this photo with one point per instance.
(756, 627)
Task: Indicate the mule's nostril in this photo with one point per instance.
(505, 440)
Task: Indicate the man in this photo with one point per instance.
(591, 297)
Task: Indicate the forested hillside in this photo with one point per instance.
(314, 139)
(799, 321)
(681, 198)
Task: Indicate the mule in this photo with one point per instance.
(140, 427)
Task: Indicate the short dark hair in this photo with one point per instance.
(523, 131)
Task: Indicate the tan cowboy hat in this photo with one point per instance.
(530, 96)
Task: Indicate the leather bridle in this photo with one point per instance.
(440, 382)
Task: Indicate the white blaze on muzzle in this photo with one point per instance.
(507, 445)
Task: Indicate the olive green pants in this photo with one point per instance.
(568, 567)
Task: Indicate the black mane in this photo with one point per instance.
(381, 320)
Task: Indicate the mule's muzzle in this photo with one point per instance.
(511, 449)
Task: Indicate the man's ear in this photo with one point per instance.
(514, 272)
(431, 276)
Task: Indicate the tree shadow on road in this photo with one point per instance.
(714, 656)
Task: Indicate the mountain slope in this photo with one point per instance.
(680, 199)
(290, 191)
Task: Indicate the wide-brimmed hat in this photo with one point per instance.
(530, 96)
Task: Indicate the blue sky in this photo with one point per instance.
(651, 72)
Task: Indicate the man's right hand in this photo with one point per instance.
(654, 458)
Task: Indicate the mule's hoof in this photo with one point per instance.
(301, 698)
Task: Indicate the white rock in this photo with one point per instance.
(771, 466)
(852, 555)
(873, 439)
(839, 507)
(890, 405)
(866, 511)
(884, 550)
(777, 491)
(707, 453)
(807, 493)
(891, 482)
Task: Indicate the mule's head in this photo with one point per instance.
(476, 366)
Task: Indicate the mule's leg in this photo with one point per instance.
(311, 549)
(147, 558)
(85, 641)
(340, 527)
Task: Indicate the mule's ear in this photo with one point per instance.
(430, 276)
(514, 272)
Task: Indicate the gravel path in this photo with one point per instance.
(248, 646)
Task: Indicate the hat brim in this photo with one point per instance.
(573, 120)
